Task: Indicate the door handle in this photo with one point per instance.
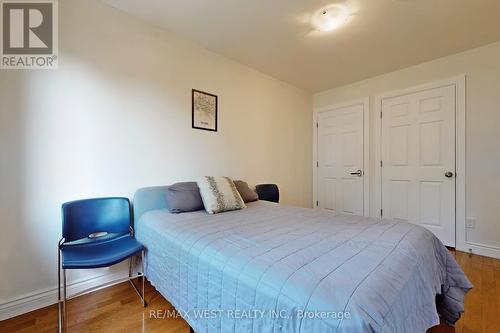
(358, 173)
(448, 174)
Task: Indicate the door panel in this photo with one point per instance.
(353, 203)
(430, 203)
(418, 148)
(399, 145)
(398, 209)
(327, 191)
(430, 143)
(340, 153)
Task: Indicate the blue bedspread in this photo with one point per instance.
(276, 268)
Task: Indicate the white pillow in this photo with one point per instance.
(219, 194)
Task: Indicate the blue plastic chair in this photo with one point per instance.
(96, 233)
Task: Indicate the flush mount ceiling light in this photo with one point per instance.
(330, 17)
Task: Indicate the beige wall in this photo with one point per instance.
(116, 116)
(482, 67)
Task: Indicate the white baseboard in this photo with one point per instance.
(46, 297)
(481, 249)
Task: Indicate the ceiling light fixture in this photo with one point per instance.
(330, 17)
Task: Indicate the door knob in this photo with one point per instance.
(358, 173)
(448, 174)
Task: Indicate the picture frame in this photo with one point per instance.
(204, 109)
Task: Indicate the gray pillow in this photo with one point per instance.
(247, 194)
(183, 197)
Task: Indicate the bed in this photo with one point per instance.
(279, 268)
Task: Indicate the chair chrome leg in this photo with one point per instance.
(59, 318)
(131, 280)
(143, 278)
(64, 301)
(129, 268)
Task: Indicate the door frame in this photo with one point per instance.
(366, 148)
(460, 150)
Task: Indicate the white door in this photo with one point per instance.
(418, 160)
(340, 160)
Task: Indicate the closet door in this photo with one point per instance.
(340, 160)
(418, 155)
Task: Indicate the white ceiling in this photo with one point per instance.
(274, 36)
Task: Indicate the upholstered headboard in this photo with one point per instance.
(148, 198)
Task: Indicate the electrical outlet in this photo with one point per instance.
(470, 223)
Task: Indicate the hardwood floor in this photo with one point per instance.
(118, 309)
(113, 309)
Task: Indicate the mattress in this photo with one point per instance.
(278, 268)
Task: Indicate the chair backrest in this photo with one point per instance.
(268, 192)
(81, 218)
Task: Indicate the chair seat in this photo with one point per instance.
(99, 254)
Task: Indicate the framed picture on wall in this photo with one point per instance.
(204, 110)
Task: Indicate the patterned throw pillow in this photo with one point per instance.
(219, 194)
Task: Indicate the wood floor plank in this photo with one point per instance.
(117, 309)
(459, 257)
(491, 318)
(473, 317)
